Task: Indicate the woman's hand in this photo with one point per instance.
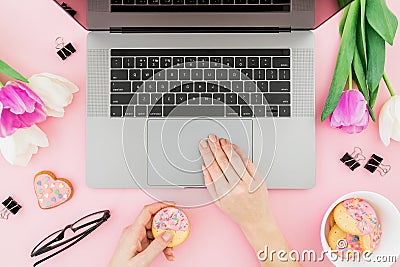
(234, 183)
(137, 246)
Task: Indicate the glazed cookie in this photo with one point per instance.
(355, 216)
(174, 220)
(331, 220)
(50, 190)
(346, 244)
(371, 241)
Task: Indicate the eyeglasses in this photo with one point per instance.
(81, 228)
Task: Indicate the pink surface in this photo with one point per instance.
(28, 30)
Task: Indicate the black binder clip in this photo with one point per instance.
(10, 206)
(353, 160)
(64, 51)
(375, 163)
(68, 9)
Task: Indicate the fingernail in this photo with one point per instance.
(212, 138)
(167, 236)
(203, 143)
(223, 142)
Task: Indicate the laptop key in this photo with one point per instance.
(222, 74)
(234, 74)
(134, 74)
(150, 86)
(231, 99)
(156, 99)
(197, 74)
(206, 99)
(203, 62)
(240, 62)
(244, 98)
(225, 86)
(228, 2)
(116, 62)
(159, 75)
(265, 2)
(129, 62)
(128, 111)
(253, 2)
(228, 62)
(240, 2)
(194, 98)
(172, 74)
(137, 87)
(253, 62)
(162, 86)
(141, 111)
(271, 111)
(190, 62)
(194, 111)
(119, 74)
(284, 111)
(212, 87)
(259, 74)
(143, 99)
(218, 99)
(284, 74)
(155, 111)
(259, 111)
(237, 86)
(279, 86)
(154, 62)
(271, 74)
(277, 98)
(121, 87)
(215, 2)
(181, 98)
(120, 99)
(147, 74)
(246, 111)
(175, 86)
(265, 62)
(116, 111)
(168, 99)
(165, 62)
(178, 61)
(190, 2)
(200, 87)
(166, 2)
(209, 74)
(249, 86)
(281, 62)
(215, 62)
(141, 62)
(247, 74)
(141, 2)
(232, 111)
(116, 2)
(262, 86)
(203, 2)
(153, 2)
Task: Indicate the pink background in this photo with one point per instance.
(28, 30)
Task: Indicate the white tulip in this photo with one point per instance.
(389, 120)
(19, 147)
(55, 91)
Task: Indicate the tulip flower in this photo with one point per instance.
(351, 114)
(19, 147)
(20, 107)
(55, 91)
(389, 118)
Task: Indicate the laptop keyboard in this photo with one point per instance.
(200, 5)
(200, 82)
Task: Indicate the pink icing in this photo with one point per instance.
(171, 218)
(353, 246)
(51, 193)
(365, 215)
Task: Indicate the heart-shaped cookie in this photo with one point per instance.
(50, 190)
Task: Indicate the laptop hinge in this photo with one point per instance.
(199, 30)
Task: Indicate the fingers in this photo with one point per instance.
(251, 168)
(169, 254)
(223, 160)
(148, 211)
(212, 166)
(151, 252)
(236, 161)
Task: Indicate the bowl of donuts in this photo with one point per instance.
(361, 229)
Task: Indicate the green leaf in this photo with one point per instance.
(376, 62)
(382, 20)
(372, 113)
(10, 72)
(359, 76)
(361, 35)
(344, 61)
(343, 3)
(343, 21)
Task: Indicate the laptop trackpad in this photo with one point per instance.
(173, 147)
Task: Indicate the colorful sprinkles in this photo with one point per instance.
(171, 218)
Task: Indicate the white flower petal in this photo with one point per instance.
(55, 91)
(18, 148)
(386, 121)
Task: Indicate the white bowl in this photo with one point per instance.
(389, 247)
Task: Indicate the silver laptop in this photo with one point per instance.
(163, 74)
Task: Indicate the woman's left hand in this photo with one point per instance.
(137, 246)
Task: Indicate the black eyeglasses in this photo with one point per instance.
(82, 228)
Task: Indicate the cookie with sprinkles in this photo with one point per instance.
(173, 220)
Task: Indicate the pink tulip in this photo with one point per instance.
(351, 114)
(20, 107)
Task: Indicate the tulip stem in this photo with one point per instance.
(350, 79)
(389, 86)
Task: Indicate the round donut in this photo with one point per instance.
(356, 217)
(173, 220)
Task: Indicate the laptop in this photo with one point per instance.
(164, 74)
